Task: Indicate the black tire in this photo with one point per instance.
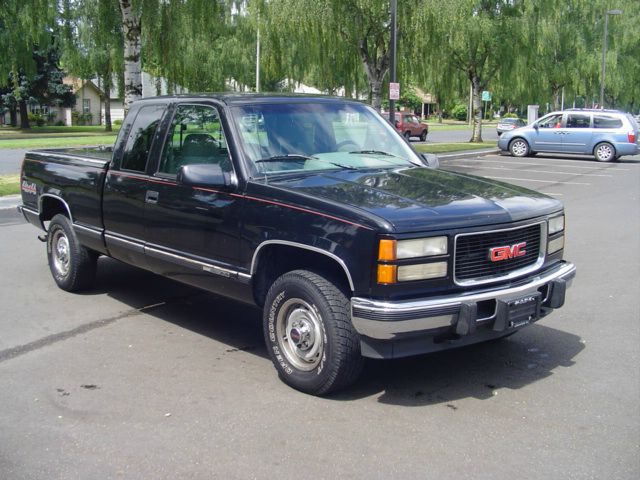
(72, 266)
(518, 147)
(604, 152)
(407, 135)
(423, 136)
(309, 335)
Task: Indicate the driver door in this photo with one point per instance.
(548, 134)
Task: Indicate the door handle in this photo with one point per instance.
(151, 196)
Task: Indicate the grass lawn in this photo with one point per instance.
(10, 132)
(57, 141)
(9, 185)
(453, 147)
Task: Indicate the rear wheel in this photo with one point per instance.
(309, 335)
(72, 266)
(519, 147)
(604, 152)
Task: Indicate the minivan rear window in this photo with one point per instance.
(605, 121)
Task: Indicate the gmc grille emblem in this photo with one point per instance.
(498, 254)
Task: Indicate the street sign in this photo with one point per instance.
(394, 91)
(486, 96)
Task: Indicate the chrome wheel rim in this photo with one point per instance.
(604, 153)
(60, 253)
(519, 148)
(300, 334)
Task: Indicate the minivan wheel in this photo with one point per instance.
(309, 334)
(519, 147)
(604, 152)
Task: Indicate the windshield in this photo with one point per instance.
(316, 136)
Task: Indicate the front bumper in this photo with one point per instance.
(476, 315)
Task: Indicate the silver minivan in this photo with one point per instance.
(605, 134)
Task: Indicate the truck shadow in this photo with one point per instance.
(479, 371)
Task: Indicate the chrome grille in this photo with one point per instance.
(473, 263)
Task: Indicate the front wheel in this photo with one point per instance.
(423, 136)
(519, 147)
(309, 335)
(604, 152)
(72, 266)
(407, 135)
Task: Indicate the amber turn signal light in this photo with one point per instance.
(387, 250)
(387, 273)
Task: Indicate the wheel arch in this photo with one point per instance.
(273, 258)
(51, 205)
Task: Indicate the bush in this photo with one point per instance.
(459, 112)
(59, 123)
(509, 115)
(36, 118)
(117, 123)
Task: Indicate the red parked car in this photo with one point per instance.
(408, 125)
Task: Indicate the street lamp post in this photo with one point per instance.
(392, 54)
(604, 51)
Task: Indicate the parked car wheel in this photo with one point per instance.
(309, 335)
(407, 135)
(519, 147)
(72, 266)
(423, 136)
(604, 152)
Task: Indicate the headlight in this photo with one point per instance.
(556, 224)
(422, 271)
(390, 250)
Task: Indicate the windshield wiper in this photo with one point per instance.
(373, 152)
(286, 158)
(294, 157)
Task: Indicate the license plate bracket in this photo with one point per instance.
(517, 311)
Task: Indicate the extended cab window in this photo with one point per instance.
(578, 120)
(195, 137)
(143, 130)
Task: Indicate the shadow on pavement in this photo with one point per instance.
(478, 371)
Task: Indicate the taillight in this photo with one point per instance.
(631, 136)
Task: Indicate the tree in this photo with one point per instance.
(332, 34)
(23, 24)
(93, 44)
(474, 37)
(44, 86)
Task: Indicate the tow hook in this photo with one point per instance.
(43, 238)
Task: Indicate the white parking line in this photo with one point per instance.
(534, 171)
(511, 162)
(537, 181)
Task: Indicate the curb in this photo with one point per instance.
(469, 153)
(10, 201)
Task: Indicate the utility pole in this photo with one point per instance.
(604, 51)
(392, 53)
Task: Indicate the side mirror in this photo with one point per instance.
(204, 175)
(536, 126)
(430, 160)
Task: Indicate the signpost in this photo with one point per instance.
(486, 97)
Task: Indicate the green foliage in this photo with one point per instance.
(459, 112)
(509, 115)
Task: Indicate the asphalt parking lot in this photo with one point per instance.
(143, 378)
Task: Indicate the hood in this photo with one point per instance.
(418, 199)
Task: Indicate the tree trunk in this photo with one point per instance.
(158, 86)
(476, 136)
(107, 102)
(131, 28)
(13, 116)
(376, 94)
(24, 115)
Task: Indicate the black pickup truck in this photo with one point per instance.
(314, 209)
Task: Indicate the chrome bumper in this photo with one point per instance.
(384, 320)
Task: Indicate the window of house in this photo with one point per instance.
(86, 105)
(195, 137)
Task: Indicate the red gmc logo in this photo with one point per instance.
(498, 254)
